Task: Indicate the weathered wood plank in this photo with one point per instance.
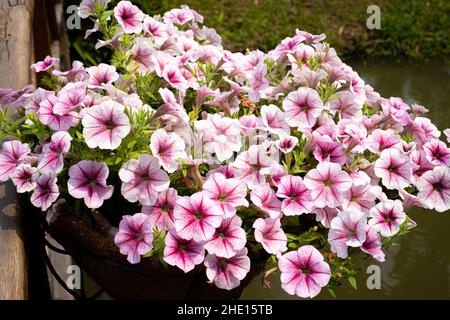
(13, 267)
(15, 42)
(15, 58)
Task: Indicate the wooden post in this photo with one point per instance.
(16, 46)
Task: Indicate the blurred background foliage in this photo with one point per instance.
(410, 29)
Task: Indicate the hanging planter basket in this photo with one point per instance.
(100, 258)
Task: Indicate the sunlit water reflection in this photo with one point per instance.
(419, 268)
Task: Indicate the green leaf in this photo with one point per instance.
(332, 292)
(352, 282)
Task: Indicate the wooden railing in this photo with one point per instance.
(29, 31)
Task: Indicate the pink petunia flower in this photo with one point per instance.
(129, 17)
(179, 16)
(419, 164)
(196, 217)
(437, 153)
(328, 183)
(45, 193)
(327, 150)
(70, 97)
(347, 230)
(424, 130)
(434, 189)
(263, 196)
(304, 272)
(297, 198)
(269, 233)
(47, 63)
(13, 154)
(346, 106)
(24, 178)
(373, 244)
(169, 148)
(184, 254)
(258, 82)
(386, 217)
(156, 29)
(394, 169)
(380, 140)
(227, 273)
(51, 159)
(87, 180)
(447, 134)
(135, 237)
(226, 193)
(286, 143)
(220, 135)
(359, 198)
(101, 75)
(228, 239)
(161, 212)
(250, 166)
(56, 122)
(302, 107)
(325, 215)
(173, 75)
(273, 120)
(142, 179)
(86, 7)
(105, 125)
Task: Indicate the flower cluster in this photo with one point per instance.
(223, 154)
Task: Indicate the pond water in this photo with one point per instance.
(419, 268)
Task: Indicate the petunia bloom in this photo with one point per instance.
(70, 97)
(437, 153)
(220, 135)
(386, 217)
(296, 197)
(434, 189)
(394, 169)
(346, 107)
(169, 148)
(302, 107)
(264, 198)
(273, 120)
(228, 239)
(184, 254)
(161, 212)
(269, 233)
(47, 115)
(328, 183)
(327, 150)
(347, 230)
(380, 140)
(135, 237)
(45, 193)
(373, 244)
(129, 17)
(13, 154)
(24, 178)
(101, 75)
(105, 125)
(250, 166)
(227, 273)
(286, 143)
(142, 179)
(47, 63)
(196, 217)
(228, 194)
(304, 272)
(87, 181)
(51, 159)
